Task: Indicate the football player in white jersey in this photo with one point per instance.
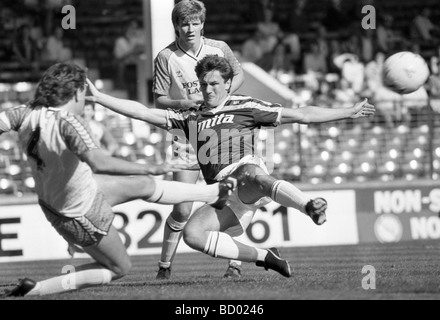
(176, 86)
(77, 183)
(223, 123)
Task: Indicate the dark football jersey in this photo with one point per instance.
(224, 135)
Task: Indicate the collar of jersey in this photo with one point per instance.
(202, 42)
(218, 108)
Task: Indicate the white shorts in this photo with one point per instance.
(244, 212)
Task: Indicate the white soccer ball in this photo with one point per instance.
(405, 72)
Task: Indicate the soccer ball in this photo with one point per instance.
(405, 72)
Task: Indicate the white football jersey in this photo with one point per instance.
(54, 141)
(174, 69)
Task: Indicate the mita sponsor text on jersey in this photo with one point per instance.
(217, 120)
(224, 135)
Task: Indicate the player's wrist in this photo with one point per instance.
(98, 97)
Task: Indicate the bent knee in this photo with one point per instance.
(182, 211)
(248, 172)
(122, 269)
(193, 238)
(188, 236)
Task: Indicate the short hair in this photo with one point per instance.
(187, 10)
(212, 62)
(58, 85)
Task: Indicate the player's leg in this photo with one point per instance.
(211, 231)
(174, 225)
(93, 232)
(234, 268)
(207, 231)
(112, 262)
(255, 183)
(121, 189)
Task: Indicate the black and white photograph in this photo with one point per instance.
(219, 158)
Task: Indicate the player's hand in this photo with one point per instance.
(363, 109)
(92, 90)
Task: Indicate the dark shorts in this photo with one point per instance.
(86, 230)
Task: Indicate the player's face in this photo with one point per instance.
(190, 31)
(214, 88)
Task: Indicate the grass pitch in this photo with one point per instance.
(408, 270)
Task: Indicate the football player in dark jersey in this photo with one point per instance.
(222, 132)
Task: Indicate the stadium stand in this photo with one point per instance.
(333, 153)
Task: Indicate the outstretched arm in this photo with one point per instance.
(163, 102)
(102, 163)
(129, 108)
(310, 114)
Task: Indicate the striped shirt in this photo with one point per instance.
(174, 69)
(226, 134)
(54, 142)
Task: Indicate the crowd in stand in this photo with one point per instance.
(35, 40)
(303, 54)
(25, 41)
(334, 59)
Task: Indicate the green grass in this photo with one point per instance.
(408, 270)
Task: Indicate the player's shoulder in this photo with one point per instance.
(239, 98)
(184, 113)
(215, 43)
(245, 101)
(242, 99)
(69, 118)
(17, 113)
(166, 52)
(21, 108)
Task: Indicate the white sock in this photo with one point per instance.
(237, 262)
(262, 254)
(289, 196)
(221, 245)
(242, 239)
(171, 238)
(172, 192)
(72, 281)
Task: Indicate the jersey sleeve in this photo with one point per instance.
(178, 120)
(161, 77)
(266, 114)
(232, 59)
(11, 119)
(77, 135)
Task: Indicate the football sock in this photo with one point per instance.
(171, 238)
(237, 262)
(288, 195)
(221, 245)
(241, 238)
(262, 255)
(171, 192)
(73, 281)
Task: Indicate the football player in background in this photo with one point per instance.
(176, 87)
(223, 131)
(77, 183)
